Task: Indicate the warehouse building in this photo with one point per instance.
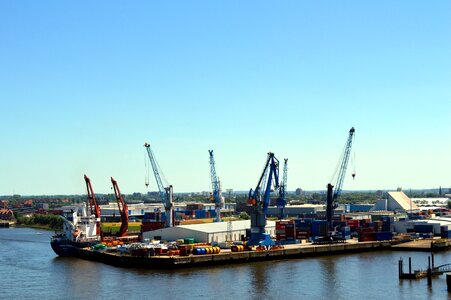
(207, 232)
(296, 210)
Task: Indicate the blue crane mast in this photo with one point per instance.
(259, 199)
(216, 188)
(282, 199)
(165, 190)
(332, 195)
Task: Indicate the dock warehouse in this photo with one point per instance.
(206, 232)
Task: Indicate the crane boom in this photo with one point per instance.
(166, 192)
(260, 202)
(123, 209)
(282, 199)
(216, 188)
(94, 207)
(332, 195)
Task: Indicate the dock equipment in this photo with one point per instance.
(216, 188)
(93, 206)
(123, 209)
(332, 195)
(282, 199)
(166, 192)
(260, 202)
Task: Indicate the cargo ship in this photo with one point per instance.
(79, 231)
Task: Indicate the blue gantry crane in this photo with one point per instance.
(165, 190)
(332, 195)
(259, 199)
(216, 188)
(282, 199)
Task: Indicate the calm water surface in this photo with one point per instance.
(30, 270)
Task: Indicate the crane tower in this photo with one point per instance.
(216, 188)
(165, 190)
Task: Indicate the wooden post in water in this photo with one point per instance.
(429, 272)
(432, 255)
(410, 265)
(448, 281)
(400, 271)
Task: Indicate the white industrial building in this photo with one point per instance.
(396, 201)
(207, 232)
(406, 226)
(296, 210)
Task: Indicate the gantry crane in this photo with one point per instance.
(216, 188)
(94, 207)
(123, 209)
(332, 195)
(282, 199)
(260, 202)
(166, 193)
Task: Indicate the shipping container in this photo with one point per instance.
(384, 236)
(367, 236)
(319, 228)
(446, 234)
(423, 228)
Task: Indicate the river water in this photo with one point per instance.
(31, 270)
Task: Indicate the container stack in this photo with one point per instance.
(285, 230)
(367, 234)
(319, 228)
(353, 224)
(303, 229)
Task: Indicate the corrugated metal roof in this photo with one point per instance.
(222, 226)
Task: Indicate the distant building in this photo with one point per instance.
(298, 192)
(28, 203)
(44, 206)
(6, 214)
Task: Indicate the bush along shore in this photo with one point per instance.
(40, 221)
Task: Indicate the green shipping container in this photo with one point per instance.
(189, 241)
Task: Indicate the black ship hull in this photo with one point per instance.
(64, 247)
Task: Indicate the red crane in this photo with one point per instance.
(123, 209)
(94, 207)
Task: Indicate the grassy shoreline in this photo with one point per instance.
(37, 226)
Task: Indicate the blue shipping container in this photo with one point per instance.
(384, 236)
(319, 228)
(423, 228)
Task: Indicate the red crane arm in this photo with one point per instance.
(94, 207)
(123, 209)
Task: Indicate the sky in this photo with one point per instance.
(84, 84)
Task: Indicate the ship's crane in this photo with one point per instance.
(282, 199)
(93, 206)
(123, 209)
(216, 188)
(259, 199)
(332, 195)
(166, 193)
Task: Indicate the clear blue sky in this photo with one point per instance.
(84, 84)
